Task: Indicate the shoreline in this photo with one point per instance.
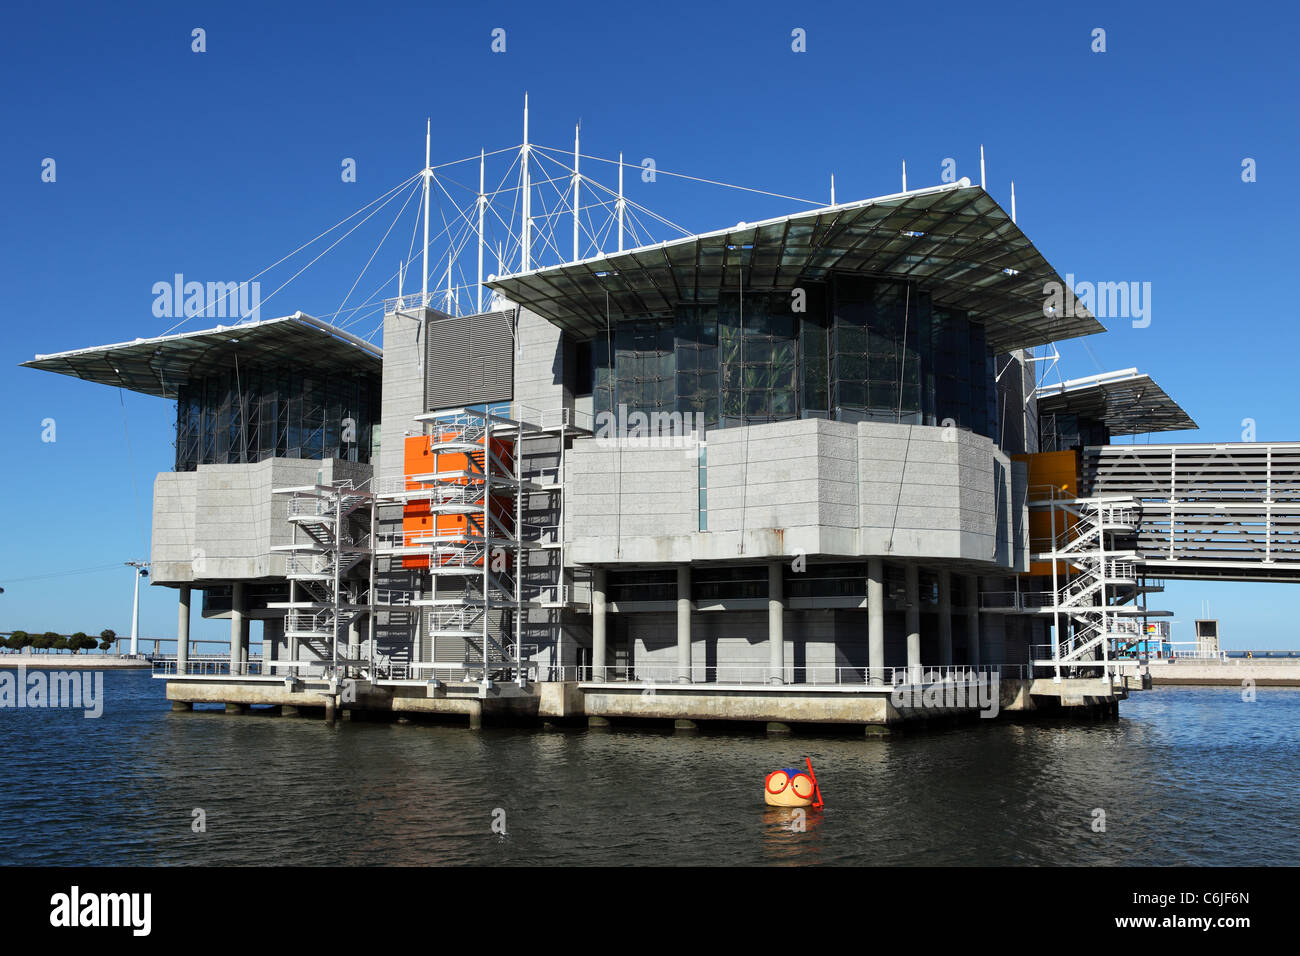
(69, 662)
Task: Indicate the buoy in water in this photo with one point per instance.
(792, 788)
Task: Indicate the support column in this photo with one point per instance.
(973, 620)
(913, 587)
(417, 638)
(598, 624)
(244, 628)
(776, 622)
(876, 620)
(236, 626)
(945, 618)
(183, 632)
(354, 639)
(684, 625)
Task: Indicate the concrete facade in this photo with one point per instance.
(811, 487)
(220, 522)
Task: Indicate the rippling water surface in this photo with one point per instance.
(1186, 776)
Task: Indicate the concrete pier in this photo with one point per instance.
(772, 708)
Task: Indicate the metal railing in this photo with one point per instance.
(823, 675)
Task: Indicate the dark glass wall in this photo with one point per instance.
(226, 418)
(853, 349)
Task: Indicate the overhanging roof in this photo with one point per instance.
(1129, 403)
(955, 241)
(158, 366)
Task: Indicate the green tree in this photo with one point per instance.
(43, 642)
(79, 642)
(19, 640)
(60, 643)
(106, 639)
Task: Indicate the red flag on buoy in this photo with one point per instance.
(818, 804)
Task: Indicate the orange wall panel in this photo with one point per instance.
(1060, 470)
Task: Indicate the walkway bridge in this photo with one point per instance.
(1227, 512)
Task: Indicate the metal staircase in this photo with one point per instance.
(329, 592)
(474, 611)
(1097, 593)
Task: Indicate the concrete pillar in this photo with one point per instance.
(183, 631)
(684, 625)
(913, 595)
(417, 639)
(776, 623)
(973, 620)
(354, 638)
(876, 619)
(237, 609)
(598, 624)
(945, 618)
(244, 628)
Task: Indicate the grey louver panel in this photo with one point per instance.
(469, 361)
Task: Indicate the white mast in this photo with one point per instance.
(904, 175)
(620, 201)
(424, 280)
(1013, 200)
(982, 186)
(577, 179)
(832, 189)
(482, 204)
(527, 203)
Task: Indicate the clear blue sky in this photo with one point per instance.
(1127, 167)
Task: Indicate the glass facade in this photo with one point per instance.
(853, 349)
(284, 412)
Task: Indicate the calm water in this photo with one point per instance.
(1186, 776)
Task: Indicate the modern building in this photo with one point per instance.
(770, 472)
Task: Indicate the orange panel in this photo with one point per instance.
(1047, 470)
(419, 459)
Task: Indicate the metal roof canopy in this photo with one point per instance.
(1128, 402)
(954, 241)
(158, 366)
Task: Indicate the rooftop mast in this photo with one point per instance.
(577, 179)
(527, 198)
(424, 280)
(482, 205)
(620, 201)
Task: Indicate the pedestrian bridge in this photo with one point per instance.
(1226, 512)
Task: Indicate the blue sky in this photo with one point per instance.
(1127, 167)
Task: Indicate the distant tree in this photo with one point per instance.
(19, 640)
(105, 645)
(79, 642)
(106, 639)
(57, 641)
(43, 642)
